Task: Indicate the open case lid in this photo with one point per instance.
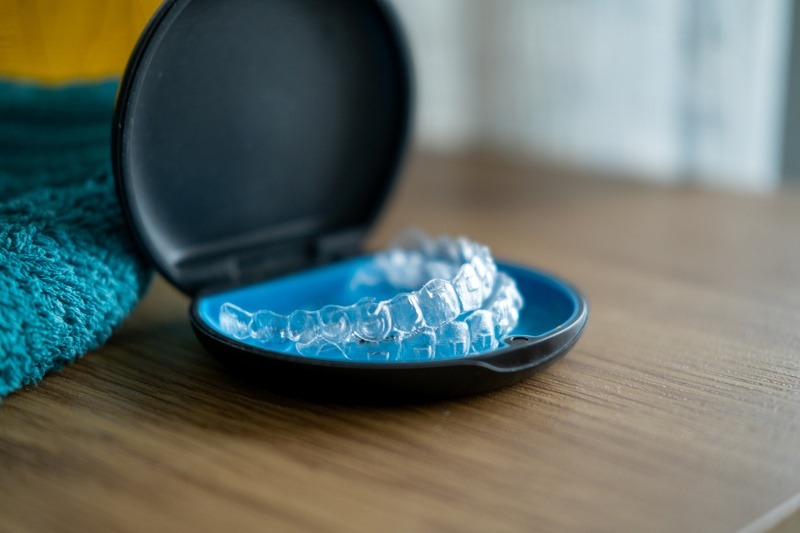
(254, 138)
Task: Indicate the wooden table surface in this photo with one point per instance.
(679, 408)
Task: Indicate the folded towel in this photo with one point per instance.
(69, 273)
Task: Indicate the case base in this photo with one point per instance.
(553, 318)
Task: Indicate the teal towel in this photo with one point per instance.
(69, 273)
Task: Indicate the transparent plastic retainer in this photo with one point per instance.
(451, 302)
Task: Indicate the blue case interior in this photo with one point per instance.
(549, 302)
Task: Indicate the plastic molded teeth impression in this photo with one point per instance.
(456, 304)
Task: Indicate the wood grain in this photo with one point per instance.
(679, 409)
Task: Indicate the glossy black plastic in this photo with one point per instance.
(254, 137)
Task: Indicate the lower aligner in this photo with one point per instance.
(464, 306)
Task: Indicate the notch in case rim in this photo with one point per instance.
(254, 139)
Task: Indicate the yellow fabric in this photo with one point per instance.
(55, 41)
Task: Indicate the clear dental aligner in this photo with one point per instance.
(463, 306)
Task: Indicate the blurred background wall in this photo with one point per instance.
(667, 90)
(697, 91)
